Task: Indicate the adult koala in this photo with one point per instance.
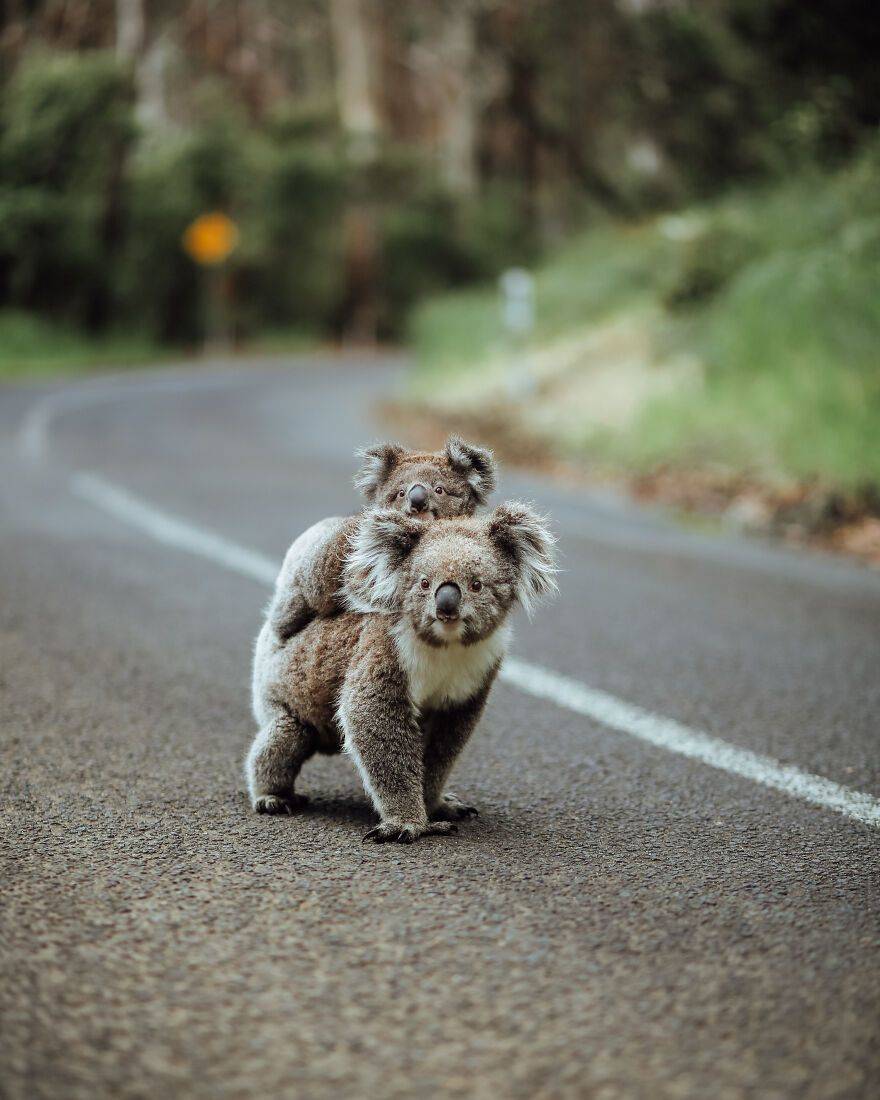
(400, 680)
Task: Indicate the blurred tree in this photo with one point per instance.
(458, 97)
(451, 136)
(822, 58)
(66, 126)
(355, 51)
(130, 26)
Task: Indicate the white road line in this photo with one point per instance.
(666, 733)
(33, 436)
(172, 531)
(542, 683)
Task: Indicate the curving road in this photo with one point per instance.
(673, 887)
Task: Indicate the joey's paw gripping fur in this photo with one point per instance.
(279, 804)
(407, 833)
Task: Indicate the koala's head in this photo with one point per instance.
(451, 482)
(455, 581)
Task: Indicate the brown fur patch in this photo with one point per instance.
(316, 663)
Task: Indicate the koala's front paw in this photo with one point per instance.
(406, 832)
(279, 804)
(451, 808)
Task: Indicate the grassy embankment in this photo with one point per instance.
(31, 347)
(741, 337)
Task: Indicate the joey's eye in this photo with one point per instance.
(401, 493)
(439, 490)
(476, 586)
(425, 583)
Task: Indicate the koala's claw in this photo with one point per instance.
(406, 834)
(451, 808)
(279, 804)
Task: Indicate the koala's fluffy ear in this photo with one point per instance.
(377, 464)
(518, 531)
(379, 548)
(476, 464)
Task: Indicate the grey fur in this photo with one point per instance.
(377, 464)
(397, 688)
(476, 463)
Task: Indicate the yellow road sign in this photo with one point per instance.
(211, 238)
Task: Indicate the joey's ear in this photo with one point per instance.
(379, 548)
(476, 464)
(378, 462)
(518, 531)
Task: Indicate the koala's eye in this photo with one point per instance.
(425, 583)
(439, 490)
(476, 586)
(401, 493)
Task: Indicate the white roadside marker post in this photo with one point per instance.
(517, 288)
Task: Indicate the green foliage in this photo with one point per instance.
(790, 342)
(638, 107)
(705, 264)
(702, 96)
(586, 282)
(65, 129)
(31, 346)
(161, 284)
(286, 200)
(91, 224)
(432, 242)
(290, 263)
(749, 89)
(783, 327)
(821, 77)
(420, 253)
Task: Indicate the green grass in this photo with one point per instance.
(281, 341)
(31, 347)
(587, 281)
(773, 293)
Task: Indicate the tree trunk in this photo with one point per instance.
(356, 96)
(523, 79)
(355, 77)
(458, 101)
(129, 29)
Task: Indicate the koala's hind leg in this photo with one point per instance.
(280, 749)
(310, 578)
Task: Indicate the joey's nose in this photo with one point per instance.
(447, 601)
(418, 498)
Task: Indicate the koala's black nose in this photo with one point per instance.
(418, 498)
(447, 601)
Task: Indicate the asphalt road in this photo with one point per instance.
(622, 921)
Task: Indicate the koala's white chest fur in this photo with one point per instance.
(441, 677)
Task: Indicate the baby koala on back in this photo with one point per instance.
(423, 485)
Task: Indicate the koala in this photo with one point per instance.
(399, 679)
(451, 482)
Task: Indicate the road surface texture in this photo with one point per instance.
(623, 920)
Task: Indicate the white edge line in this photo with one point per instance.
(668, 734)
(33, 435)
(171, 531)
(538, 682)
